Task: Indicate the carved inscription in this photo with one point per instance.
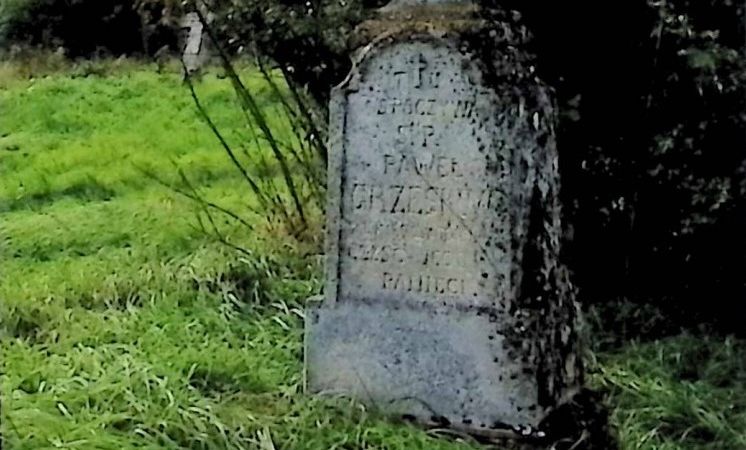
(413, 74)
(440, 166)
(427, 200)
(422, 283)
(454, 109)
(428, 187)
(399, 253)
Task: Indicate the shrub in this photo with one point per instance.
(86, 28)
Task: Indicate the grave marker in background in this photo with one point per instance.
(196, 42)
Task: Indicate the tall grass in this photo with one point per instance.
(293, 201)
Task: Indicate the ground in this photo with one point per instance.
(125, 326)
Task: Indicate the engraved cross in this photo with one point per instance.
(420, 65)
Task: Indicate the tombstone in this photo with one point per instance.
(196, 50)
(444, 297)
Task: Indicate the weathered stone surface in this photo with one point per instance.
(195, 43)
(424, 204)
(437, 305)
(423, 360)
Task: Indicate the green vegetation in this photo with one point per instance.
(125, 326)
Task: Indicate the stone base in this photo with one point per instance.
(430, 364)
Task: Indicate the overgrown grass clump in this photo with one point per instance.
(125, 326)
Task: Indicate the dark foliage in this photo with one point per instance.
(652, 144)
(308, 40)
(88, 28)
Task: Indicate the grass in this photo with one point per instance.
(125, 326)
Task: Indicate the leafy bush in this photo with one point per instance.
(14, 14)
(652, 161)
(86, 28)
(307, 40)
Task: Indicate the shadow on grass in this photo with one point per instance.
(89, 190)
(686, 389)
(28, 325)
(617, 324)
(213, 381)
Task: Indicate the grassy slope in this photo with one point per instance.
(124, 327)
